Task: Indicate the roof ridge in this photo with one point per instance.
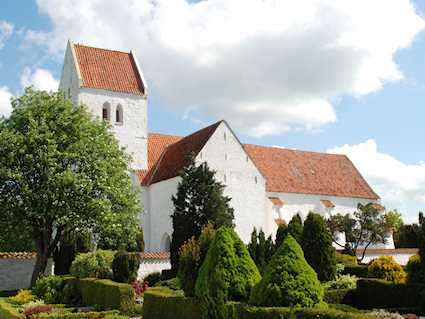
(292, 150)
(102, 49)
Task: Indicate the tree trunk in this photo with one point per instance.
(40, 266)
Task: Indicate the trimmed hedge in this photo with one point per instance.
(161, 302)
(164, 303)
(107, 294)
(340, 296)
(10, 309)
(360, 271)
(378, 293)
(79, 315)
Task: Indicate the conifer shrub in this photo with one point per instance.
(125, 266)
(317, 246)
(288, 280)
(281, 234)
(415, 272)
(295, 227)
(97, 264)
(346, 260)
(386, 268)
(24, 296)
(229, 255)
(153, 278)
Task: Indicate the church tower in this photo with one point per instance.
(112, 86)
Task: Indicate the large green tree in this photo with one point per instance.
(199, 200)
(367, 227)
(317, 246)
(60, 170)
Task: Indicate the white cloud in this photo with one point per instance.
(398, 184)
(6, 30)
(265, 66)
(41, 79)
(5, 107)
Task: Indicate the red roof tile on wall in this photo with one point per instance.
(108, 70)
(155, 255)
(378, 206)
(280, 221)
(17, 255)
(301, 172)
(276, 201)
(327, 203)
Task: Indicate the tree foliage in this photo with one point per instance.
(367, 227)
(407, 236)
(199, 199)
(317, 246)
(295, 227)
(229, 255)
(288, 280)
(61, 170)
(394, 220)
(281, 234)
(260, 249)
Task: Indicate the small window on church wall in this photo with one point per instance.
(256, 180)
(119, 115)
(105, 111)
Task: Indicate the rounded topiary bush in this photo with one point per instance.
(228, 254)
(386, 268)
(96, 264)
(415, 272)
(288, 280)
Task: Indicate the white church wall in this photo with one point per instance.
(145, 217)
(70, 79)
(245, 185)
(132, 131)
(160, 209)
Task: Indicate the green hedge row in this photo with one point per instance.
(359, 271)
(8, 310)
(377, 293)
(161, 302)
(79, 315)
(108, 294)
(340, 296)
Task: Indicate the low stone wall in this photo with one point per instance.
(16, 270)
(400, 255)
(153, 262)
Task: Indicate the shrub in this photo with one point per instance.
(317, 246)
(190, 254)
(415, 272)
(288, 280)
(49, 289)
(173, 283)
(125, 266)
(345, 308)
(139, 287)
(343, 282)
(229, 254)
(97, 264)
(340, 296)
(346, 260)
(386, 268)
(24, 296)
(360, 271)
(295, 227)
(281, 234)
(33, 312)
(153, 278)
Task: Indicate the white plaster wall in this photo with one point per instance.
(150, 266)
(400, 258)
(16, 273)
(160, 209)
(245, 184)
(70, 81)
(132, 132)
(146, 216)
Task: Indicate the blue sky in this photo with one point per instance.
(316, 75)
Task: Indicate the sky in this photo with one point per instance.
(345, 77)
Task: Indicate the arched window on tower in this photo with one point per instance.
(165, 242)
(106, 111)
(118, 114)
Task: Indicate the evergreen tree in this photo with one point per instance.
(199, 199)
(281, 234)
(261, 252)
(269, 250)
(422, 239)
(288, 280)
(252, 245)
(317, 246)
(295, 227)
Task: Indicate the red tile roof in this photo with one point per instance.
(371, 251)
(327, 203)
(378, 206)
(276, 201)
(155, 255)
(291, 171)
(174, 156)
(17, 255)
(108, 70)
(280, 221)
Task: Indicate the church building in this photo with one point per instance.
(267, 185)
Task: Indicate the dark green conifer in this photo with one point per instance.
(295, 227)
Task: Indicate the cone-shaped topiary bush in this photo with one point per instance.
(228, 253)
(288, 280)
